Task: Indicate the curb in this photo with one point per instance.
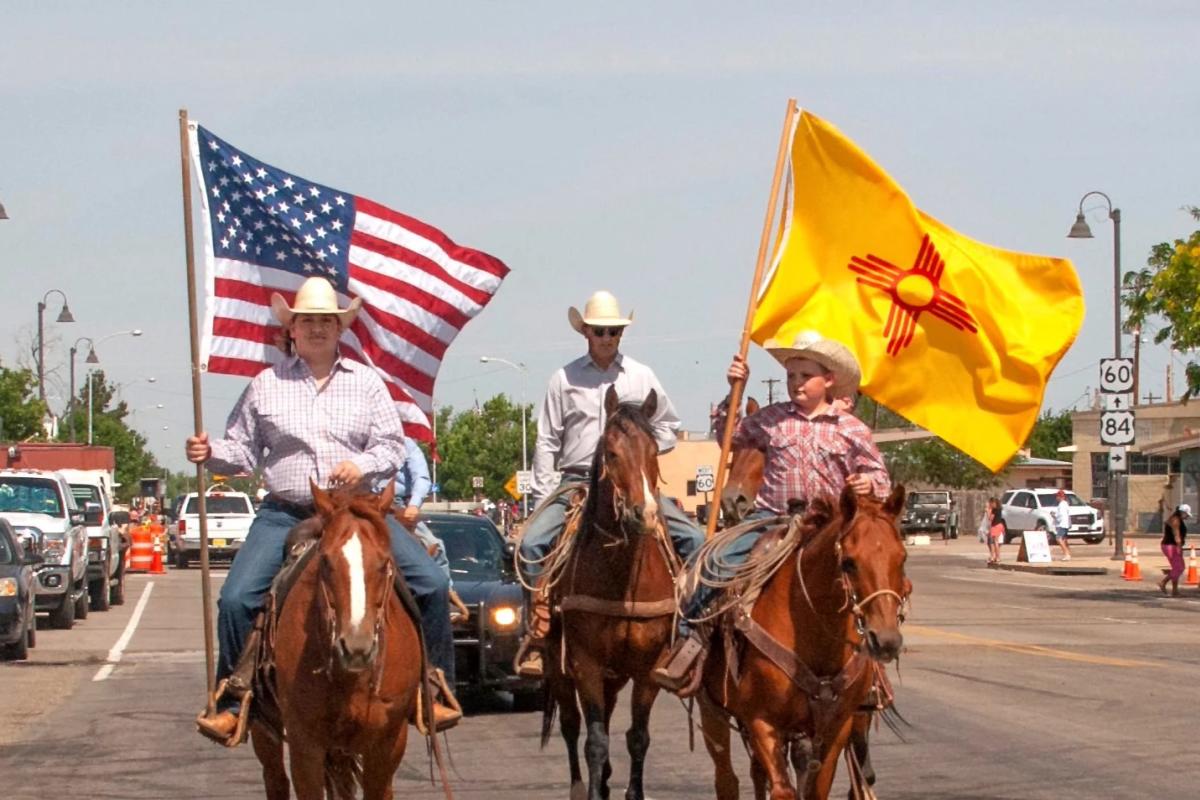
(1050, 569)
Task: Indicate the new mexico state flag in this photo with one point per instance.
(957, 336)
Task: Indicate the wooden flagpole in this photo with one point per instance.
(185, 163)
(735, 392)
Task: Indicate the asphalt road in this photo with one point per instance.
(1016, 686)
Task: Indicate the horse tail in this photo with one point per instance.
(343, 775)
(549, 709)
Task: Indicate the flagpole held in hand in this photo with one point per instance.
(197, 412)
(735, 392)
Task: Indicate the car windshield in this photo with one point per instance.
(928, 499)
(85, 494)
(220, 504)
(472, 546)
(29, 495)
(1048, 500)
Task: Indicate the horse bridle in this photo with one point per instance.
(330, 619)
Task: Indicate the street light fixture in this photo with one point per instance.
(519, 366)
(92, 358)
(63, 316)
(1081, 230)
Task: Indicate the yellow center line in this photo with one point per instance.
(1028, 649)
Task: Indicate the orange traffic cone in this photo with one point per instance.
(1127, 570)
(1135, 569)
(1193, 579)
(156, 561)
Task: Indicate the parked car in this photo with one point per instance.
(487, 641)
(229, 515)
(1034, 510)
(42, 510)
(18, 624)
(930, 512)
(106, 545)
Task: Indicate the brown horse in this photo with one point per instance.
(743, 479)
(348, 661)
(805, 671)
(617, 602)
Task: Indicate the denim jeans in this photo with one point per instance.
(260, 558)
(539, 538)
(734, 554)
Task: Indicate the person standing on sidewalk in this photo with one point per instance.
(1062, 523)
(994, 519)
(1174, 534)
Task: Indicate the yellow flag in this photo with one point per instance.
(958, 336)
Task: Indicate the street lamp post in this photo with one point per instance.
(63, 316)
(1081, 230)
(519, 367)
(92, 358)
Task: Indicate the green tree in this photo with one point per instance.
(21, 412)
(1050, 432)
(1167, 288)
(484, 441)
(935, 462)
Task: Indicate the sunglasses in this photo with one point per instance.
(601, 332)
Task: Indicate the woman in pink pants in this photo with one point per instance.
(1174, 534)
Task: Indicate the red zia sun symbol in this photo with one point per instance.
(913, 291)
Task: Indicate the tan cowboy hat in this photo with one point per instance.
(315, 296)
(832, 355)
(601, 310)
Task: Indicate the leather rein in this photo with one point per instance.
(329, 617)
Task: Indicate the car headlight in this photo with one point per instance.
(504, 616)
(8, 587)
(54, 548)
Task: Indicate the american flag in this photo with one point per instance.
(268, 231)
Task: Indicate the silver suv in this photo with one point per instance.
(1033, 510)
(42, 510)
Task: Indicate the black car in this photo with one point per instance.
(483, 575)
(18, 630)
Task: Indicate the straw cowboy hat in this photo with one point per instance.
(601, 310)
(316, 296)
(832, 355)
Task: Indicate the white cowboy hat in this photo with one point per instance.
(601, 310)
(315, 296)
(832, 355)
(1184, 510)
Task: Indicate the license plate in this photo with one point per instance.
(218, 542)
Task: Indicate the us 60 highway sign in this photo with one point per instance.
(1116, 374)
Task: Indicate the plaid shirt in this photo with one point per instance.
(808, 458)
(296, 433)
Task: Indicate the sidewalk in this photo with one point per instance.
(1086, 559)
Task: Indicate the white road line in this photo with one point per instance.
(114, 655)
(1021, 583)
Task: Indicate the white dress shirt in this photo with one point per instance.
(572, 415)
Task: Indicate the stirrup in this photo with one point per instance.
(241, 730)
(528, 647)
(680, 669)
(442, 693)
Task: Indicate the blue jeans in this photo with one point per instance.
(260, 558)
(734, 554)
(539, 538)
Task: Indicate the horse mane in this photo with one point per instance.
(626, 412)
(359, 503)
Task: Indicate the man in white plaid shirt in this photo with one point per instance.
(313, 416)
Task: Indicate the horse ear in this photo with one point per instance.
(650, 404)
(751, 406)
(611, 401)
(895, 501)
(849, 502)
(819, 512)
(321, 499)
(386, 497)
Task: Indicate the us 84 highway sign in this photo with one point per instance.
(1116, 427)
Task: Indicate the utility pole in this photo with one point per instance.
(1151, 397)
(1170, 377)
(770, 382)
(1137, 361)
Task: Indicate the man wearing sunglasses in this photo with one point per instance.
(569, 428)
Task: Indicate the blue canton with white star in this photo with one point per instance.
(271, 218)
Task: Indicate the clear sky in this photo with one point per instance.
(621, 145)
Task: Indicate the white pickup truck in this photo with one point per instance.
(229, 516)
(106, 545)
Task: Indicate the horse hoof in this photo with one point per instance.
(578, 791)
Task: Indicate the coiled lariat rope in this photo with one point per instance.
(708, 565)
(552, 566)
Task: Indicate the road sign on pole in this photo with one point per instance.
(1116, 402)
(1116, 427)
(477, 482)
(705, 481)
(524, 481)
(1116, 459)
(1116, 374)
